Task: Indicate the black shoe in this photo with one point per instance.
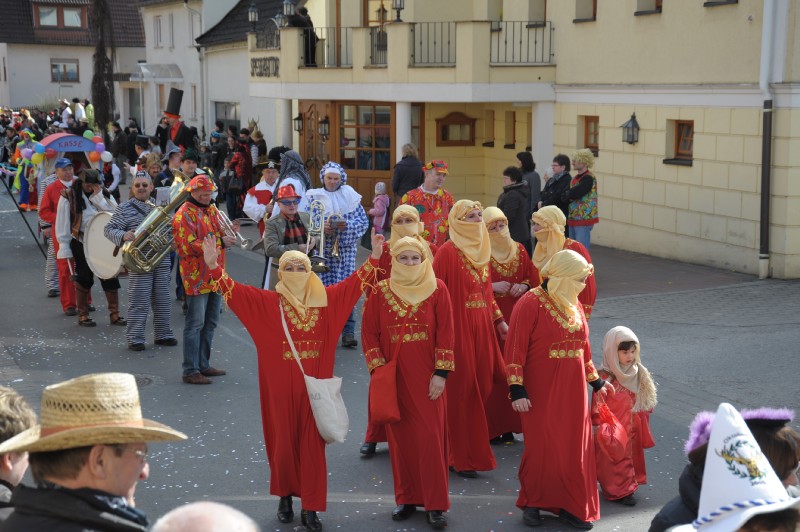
(465, 474)
(136, 347)
(92, 308)
(628, 500)
(348, 340)
(310, 520)
(403, 512)
(285, 513)
(573, 521)
(53, 293)
(87, 322)
(532, 517)
(508, 438)
(167, 341)
(368, 449)
(71, 311)
(437, 520)
(496, 441)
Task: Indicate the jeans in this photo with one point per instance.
(201, 320)
(581, 233)
(350, 326)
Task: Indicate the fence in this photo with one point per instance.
(378, 46)
(434, 43)
(269, 39)
(521, 43)
(332, 48)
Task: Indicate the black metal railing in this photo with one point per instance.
(270, 39)
(521, 43)
(378, 45)
(330, 47)
(434, 43)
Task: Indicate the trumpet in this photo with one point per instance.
(334, 220)
(227, 228)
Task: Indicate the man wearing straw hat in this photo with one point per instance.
(86, 456)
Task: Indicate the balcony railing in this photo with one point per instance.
(269, 39)
(378, 46)
(520, 43)
(434, 43)
(334, 46)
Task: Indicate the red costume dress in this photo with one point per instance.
(478, 358)
(551, 358)
(589, 294)
(417, 443)
(620, 479)
(502, 418)
(295, 450)
(433, 211)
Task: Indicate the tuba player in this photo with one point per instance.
(144, 289)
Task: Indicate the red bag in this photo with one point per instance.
(383, 408)
(611, 435)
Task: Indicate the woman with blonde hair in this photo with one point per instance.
(409, 324)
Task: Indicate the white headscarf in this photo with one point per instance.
(634, 377)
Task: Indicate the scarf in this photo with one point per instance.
(550, 238)
(634, 377)
(412, 284)
(301, 289)
(413, 230)
(504, 249)
(472, 239)
(295, 232)
(292, 165)
(565, 273)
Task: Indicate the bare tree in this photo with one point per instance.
(105, 53)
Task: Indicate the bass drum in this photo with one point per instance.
(99, 250)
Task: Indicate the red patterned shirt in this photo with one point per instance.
(190, 226)
(433, 210)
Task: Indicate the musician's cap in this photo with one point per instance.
(143, 141)
(170, 153)
(201, 182)
(90, 176)
(267, 164)
(173, 109)
(438, 165)
(191, 155)
(287, 192)
(63, 162)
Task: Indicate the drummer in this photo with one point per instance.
(144, 289)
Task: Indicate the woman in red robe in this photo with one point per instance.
(405, 223)
(511, 277)
(549, 362)
(463, 264)
(410, 320)
(548, 226)
(315, 316)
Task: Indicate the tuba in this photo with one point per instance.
(153, 239)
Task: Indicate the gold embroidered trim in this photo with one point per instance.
(398, 306)
(479, 278)
(475, 301)
(566, 353)
(591, 372)
(567, 323)
(587, 311)
(514, 374)
(497, 313)
(374, 358)
(222, 286)
(445, 359)
(300, 322)
(305, 349)
(368, 274)
(509, 269)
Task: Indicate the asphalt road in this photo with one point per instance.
(707, 335)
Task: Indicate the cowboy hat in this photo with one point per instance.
(96, 409)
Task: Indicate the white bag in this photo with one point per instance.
(325, 396)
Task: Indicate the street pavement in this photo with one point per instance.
(707, 335)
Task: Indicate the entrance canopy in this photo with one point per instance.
(157, 72)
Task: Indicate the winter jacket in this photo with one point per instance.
(515, 204)
(407, 175)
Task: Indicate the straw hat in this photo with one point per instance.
(102, 408)
(738, 481)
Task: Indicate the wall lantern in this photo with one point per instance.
(398, 6)
(252, 15)
(630, 130)
(324, 129)
(288, 7)
(297, 122)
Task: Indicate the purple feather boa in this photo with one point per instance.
(700, 429)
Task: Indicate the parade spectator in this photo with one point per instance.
(632, 402)
(514, 202)
(530, 176)
(554, 192)
(286, 232)
(312, 317)
(88, 109)
(225, 176)
(557, 471)
(206, 157)
(86, 457)
(16, 416)
(582, 196)
(205, 516)
(78, 112)
(301, 19)
(293, 172)
(433, 202)
(463, 264)
(244, 137)
(380, 208)
(345, 223)
(195, 220)
(119, 144)
(261, 146)
(408, 173)
(66, 112)
(242, 166)
(418, 441)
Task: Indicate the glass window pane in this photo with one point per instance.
(48, 16)
(383, 160)
(416, 111)
(348, 113)
(383, 137)
(72, 71)
(415, 136)
(364, 160)
(364, 115)
(348, 158)
(383, 114)
(72, 18)
(366, 139)
(348, 137)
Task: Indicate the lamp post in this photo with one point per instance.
(324, 129)
(252, 15)
(297, 122)
(398, 6)
(630, 130)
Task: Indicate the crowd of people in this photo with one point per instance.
(516, 280)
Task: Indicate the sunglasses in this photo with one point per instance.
(140, 185)
(289, 202)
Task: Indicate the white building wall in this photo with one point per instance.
(28, 68)
(5, 94)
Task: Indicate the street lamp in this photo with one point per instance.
(252, 14)
(398, 6)
(324, 129)
(630, 130)
(297, 122)
(288, 7)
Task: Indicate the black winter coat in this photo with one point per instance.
(515, 204)
(555, 192)
(407, 175)
(682, 509)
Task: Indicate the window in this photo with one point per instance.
(591, 133)
(73, 17)
(647, 7)
(366, 137)
(585, 10)
(488, 128)
(680, 142)
(59, 17)
(537, 10)
(418, 128)
(171, 31)
(160, 89)
(64, 70)
(48, 16)
(228, 113)
(158, 37)
(455, 129)
(720, 3)
(194, 100)
(511, 130)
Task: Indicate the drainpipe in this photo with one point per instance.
(201, 57)
(767, 30)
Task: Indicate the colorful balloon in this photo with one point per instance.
(106, 157)
(37, 158)
(88, 134)
(26, 153)
(94, 156)
(97, 139)
(50, 153)
(39, 147)
(100, 147)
